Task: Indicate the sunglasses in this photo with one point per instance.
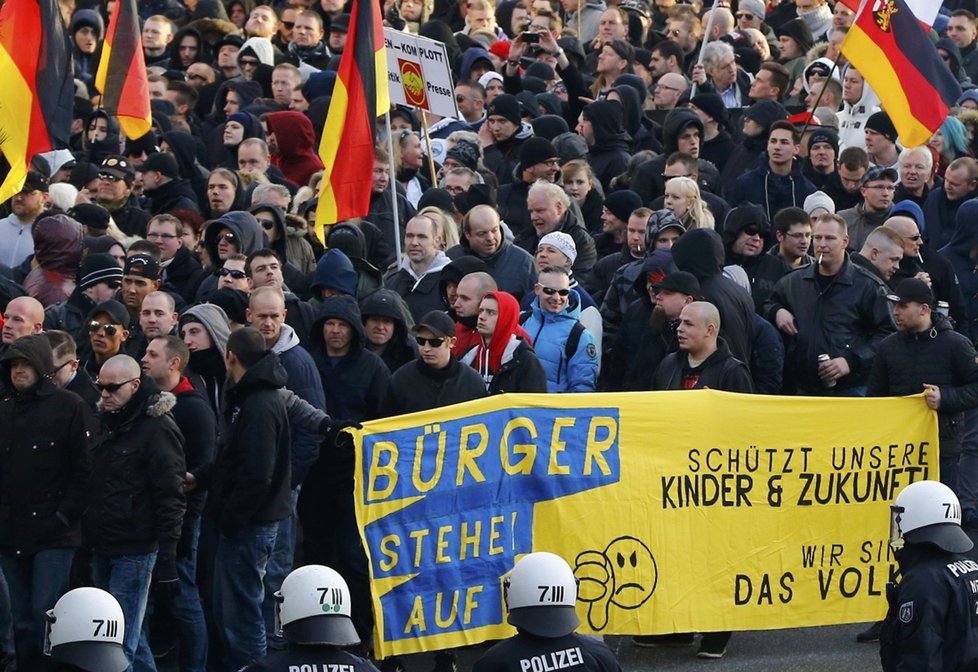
(237, 275)
(917, 237)
(433, 342)
(227, 236)
(194, 77)
(745, 15)
(248, 63)
(110, 329)
(550, 291)
(288, 24)
(112, 388)
(108, 178)
(267, 224)
(751, 231)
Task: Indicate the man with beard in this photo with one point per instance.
(745, 233)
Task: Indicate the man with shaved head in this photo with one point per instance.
(921, 262)
(24, 316)
(135, 495)
(703, 361)
(468, 296)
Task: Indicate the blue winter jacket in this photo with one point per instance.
(550, 332)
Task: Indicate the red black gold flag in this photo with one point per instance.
(37, 85)
(887, 45)
(121, 75)
(359, 97)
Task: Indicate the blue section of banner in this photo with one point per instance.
(478, 480)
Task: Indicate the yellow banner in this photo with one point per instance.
(679, 511)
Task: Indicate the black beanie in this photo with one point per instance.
(798, 31)
(712, 105)
(623, 203)
(880, 122)
(824, 134)
(507, 106)
(536, 150)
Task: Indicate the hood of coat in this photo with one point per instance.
(58, 244)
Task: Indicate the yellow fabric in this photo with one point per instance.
(680, 511)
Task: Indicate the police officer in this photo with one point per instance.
(313, 615)
(85, 632)
(932, 622)
(545, 621)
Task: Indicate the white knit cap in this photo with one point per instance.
(562, 242)
(819, 199)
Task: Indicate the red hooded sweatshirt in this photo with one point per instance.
(296, 156)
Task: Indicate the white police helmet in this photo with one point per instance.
(541, 593)
(928, 512)
(313, 607)
(86, 629)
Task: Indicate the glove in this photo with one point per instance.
(393, 18)
(165, 576)
(344, 424)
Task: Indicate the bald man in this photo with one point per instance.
(921, 262)
(881, 253)
(668, 90)
(135, 495)
(24, 316)
(703, 362)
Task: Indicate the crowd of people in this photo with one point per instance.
(634, 197)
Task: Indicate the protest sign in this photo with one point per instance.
(679, 511)
(419, 73)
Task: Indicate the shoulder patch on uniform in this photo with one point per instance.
(592, 351)
(906, 612)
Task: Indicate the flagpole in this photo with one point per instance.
(580, 4)
(706, 38)
(393, 181)
(431, 158)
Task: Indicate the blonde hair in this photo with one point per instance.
(698, 216)
(446, 225)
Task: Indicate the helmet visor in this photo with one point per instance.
(896, 536)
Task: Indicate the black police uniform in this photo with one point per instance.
(311, 659)
(932, 621)
(529, 653)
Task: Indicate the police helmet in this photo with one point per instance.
(86, 629)
(541, 592)
(313, 607)
(928, 512)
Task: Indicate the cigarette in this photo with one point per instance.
(920, 257)
(820, 259)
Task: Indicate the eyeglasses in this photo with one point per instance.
(800, 235)
(228, 237)
(667, 88)
(550, 291)
(237, 275)
(433, 342)
(161, 236)
(95, 325)
(112, 388)
(267, 224)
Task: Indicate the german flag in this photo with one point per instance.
(926, 11)
(359, 97)
(121, 75)
(887, 45)
(37, 84)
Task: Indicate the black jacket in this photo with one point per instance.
(71, 316)
(251, 481)
(930, 624)
(520, 372)
(184, 274)
(771, 191)
(609, 155)
(590, 655)
(719, 371)
(629, 366)
(847, 319)
(944, 282)
(402, 348)
(419, 387)
(649, 182)
(700, 252)
(195, 418)
(135, 495)
(45, 459)
(129, 217)
(939, 356)
(176, 194)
